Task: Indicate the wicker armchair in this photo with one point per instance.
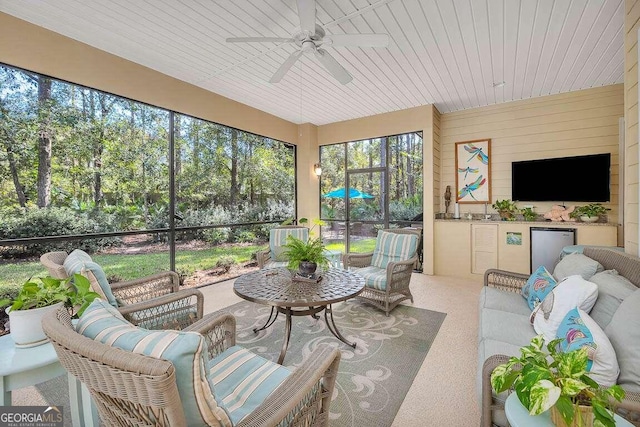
(131, 389)
(155, 301)
(386, 287)
(272, 257)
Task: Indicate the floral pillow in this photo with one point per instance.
(538, 286)
(578, 330)
(570, 293)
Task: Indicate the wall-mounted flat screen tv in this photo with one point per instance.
(564, 179)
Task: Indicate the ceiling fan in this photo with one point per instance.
(309, 40)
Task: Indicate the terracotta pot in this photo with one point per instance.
(584, 412)
(505, 215)
(307, 268)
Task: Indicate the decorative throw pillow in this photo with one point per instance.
(577, 264)
(578, 330)
(570, 293)
(185, 350)
(540, 283)
(612, 290)
(624, 333)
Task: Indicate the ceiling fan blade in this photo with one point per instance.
(258, 40)
(361, 40)
(333, 66)
(288, 63)
(307, 14)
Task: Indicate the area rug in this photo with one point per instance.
(374, 377)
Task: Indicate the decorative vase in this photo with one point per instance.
(582, 418)
(307, 268)
(26, 325)
(585, 218)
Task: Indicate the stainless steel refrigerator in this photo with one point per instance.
(547, 244)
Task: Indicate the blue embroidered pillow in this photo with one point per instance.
(578, 330)
(540, 283)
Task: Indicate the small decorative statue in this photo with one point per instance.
(560, 213)
(447, 199)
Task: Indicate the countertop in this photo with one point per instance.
(545, 223)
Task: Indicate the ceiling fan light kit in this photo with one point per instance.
(310, 39)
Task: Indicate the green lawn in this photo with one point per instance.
(131, 266)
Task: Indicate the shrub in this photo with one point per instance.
(50, 222)
(226, 262)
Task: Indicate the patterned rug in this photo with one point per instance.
(375, 376)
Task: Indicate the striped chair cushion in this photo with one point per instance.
(393, 247)
(80, 262)
(276, 264)
(278, 237)
(185, 350)
(242, 380)
(375, 277)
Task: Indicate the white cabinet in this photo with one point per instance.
(484, 247)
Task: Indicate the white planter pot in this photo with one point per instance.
(585, 218)
(26, 325)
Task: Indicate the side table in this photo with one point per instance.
(23, 367)
(518, 416)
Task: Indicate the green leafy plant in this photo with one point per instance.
(506, 208)
(50, 290)
(543, 379)
(592, 209)
(310, 251)
(528, 214)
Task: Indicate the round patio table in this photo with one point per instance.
(276, 287)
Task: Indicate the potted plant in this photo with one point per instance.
(36, 298)
(306, 256)
(528, 214)
(506, 208)
(556, 380)
(590, 212)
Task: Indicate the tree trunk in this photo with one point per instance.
(98, 148)
(234, 168)
(44, 143)
(177, 148)
(22, 198)
(409, 169)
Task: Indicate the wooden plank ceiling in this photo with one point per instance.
(451, 53)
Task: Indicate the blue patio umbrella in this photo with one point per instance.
(353, 194)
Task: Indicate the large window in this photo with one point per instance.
(385, 188)
(83, 168)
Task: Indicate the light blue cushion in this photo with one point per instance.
(393, 247)
(278, 238)
(539, 285)
(576, 263)
(80, 262)
(243, 380)
(375, 277)
(498, 299)
(624, 333)
(612, 290)
(275, 264)
(185, 350)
